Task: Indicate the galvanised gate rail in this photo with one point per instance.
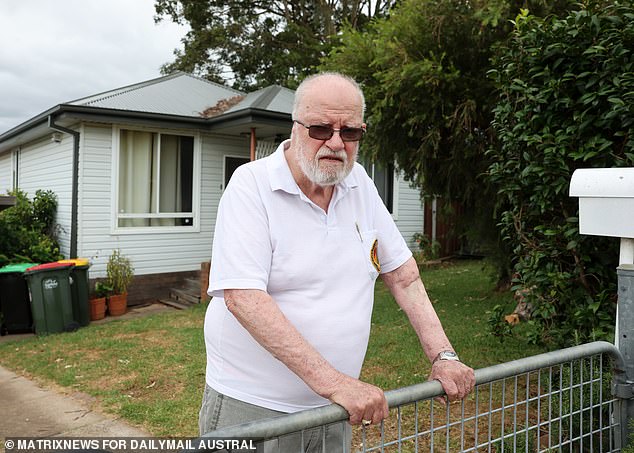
(567, 400)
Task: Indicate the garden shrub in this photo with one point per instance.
(567, 102)
(28, 232)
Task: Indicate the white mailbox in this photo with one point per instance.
(606, 201)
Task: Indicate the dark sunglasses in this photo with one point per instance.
(347, 134)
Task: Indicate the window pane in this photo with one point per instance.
(136, 154)
(187, 173)
(384, 180)
(156, 174)
(177, 162)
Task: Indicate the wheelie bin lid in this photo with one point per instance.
(47, 267)
(17, 268)
(77, 262)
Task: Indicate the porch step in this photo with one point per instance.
(192, 285)
(175, 304)
(184, 297)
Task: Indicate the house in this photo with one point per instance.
(142, 168)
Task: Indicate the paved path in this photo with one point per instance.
(29, 410)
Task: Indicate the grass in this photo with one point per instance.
(463, 294)
(150, 371)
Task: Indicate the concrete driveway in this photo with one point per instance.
(30, 410)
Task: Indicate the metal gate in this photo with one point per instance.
(566, 400)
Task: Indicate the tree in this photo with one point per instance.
(566, 102)
(430, 101)
(258, 43)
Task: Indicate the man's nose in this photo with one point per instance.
(335, 143)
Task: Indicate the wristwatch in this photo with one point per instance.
(446, 355)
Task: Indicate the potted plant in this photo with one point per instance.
(119, 273)
(98, 302)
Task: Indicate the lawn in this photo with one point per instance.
(463, 294)
(150, 371)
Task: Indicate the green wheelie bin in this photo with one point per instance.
(51, 298)
(80, 289)
(14, 299)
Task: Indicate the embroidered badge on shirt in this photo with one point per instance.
(374, 257)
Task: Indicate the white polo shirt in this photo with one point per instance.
(320, 268)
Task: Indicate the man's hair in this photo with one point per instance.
(300, 91)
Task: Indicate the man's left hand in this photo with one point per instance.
(456, 378)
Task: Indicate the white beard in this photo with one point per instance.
(327, 176)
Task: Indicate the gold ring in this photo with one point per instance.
(366, 422)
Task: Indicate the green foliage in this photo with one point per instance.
(44, 208)
(629, 448)
(258, 43)
(498, 326)
(567, 102)
(424, 73)
(28, 229)
(102, 289)
(120, 272)
(427, 248)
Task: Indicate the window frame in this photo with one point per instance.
(196, 187)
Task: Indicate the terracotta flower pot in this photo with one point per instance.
(97, 308)
(118, 304)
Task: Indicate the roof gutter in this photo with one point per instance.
(75, 183)
(13, 136)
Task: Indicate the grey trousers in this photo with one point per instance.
(218, 411)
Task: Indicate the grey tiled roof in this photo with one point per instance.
(176, 94)
(274, 98)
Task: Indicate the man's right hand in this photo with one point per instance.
(262, 318)
(364, 402)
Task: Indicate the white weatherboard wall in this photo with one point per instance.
(93, 239)
(150, 253)
(410, 211)
(6, 173)
(47, 165)
(215, 149)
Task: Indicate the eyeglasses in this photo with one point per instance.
(347, 134)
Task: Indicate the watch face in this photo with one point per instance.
(447, 355)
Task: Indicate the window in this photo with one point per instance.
(384, 181)
(156, 186)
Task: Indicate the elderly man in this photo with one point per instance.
(301, 237)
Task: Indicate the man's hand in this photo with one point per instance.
(456, 378)
(364, 402)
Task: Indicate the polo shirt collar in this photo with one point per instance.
(281, 178)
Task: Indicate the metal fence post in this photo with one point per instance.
(624, 382)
